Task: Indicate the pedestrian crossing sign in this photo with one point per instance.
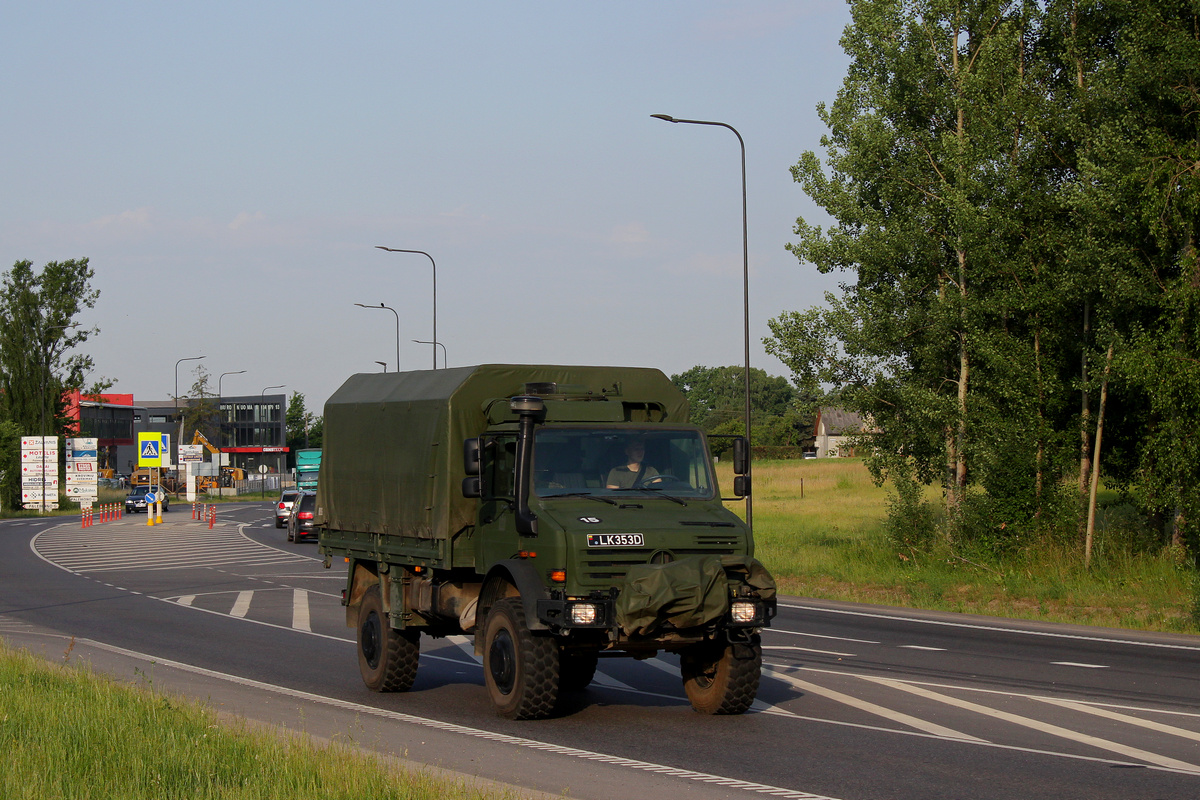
(149, 449)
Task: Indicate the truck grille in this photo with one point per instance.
(607, 567)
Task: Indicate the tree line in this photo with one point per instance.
(1015, 195)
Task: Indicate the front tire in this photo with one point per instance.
(387, 658)
(519, 668)
(722, 678)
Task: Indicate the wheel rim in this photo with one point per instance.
(502, 662)
(370, 636)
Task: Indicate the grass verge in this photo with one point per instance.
(819, 528)
(68, 733)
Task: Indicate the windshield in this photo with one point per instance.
(607, 462)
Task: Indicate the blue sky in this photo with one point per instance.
(229, 167)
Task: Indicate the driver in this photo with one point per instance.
(634, 472)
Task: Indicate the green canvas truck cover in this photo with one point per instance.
(392, 448)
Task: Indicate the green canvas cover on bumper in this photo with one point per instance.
(690, 592)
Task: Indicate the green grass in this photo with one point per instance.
(68, 733)
(819, 528)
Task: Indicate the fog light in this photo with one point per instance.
(743, 612)
(583, 614)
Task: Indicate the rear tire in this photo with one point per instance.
(387, 658)
(519, 668)
(722, 678)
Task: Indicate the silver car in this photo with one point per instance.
(283, 508)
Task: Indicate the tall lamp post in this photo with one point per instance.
(389, 308)
(382, 364)
(745, 290)
(177, 363)
(439, 344)
(431, 261)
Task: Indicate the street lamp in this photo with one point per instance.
(219, 396)
(389, 308)
(745, 289)
(382, 364)
(431, 261)
(177, 363)
(439, 344)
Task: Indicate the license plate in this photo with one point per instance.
(615, 540)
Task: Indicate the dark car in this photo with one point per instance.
(136, 500)
(283, 508)
(301, 521)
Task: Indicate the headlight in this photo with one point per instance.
(744, 612)
(583, 614)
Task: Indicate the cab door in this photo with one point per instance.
(496, 533)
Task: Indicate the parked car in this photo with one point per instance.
(136, 500)
(283, 508)
(301, 521)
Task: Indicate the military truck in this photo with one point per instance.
(558, 514)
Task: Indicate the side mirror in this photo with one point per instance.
(741, 456)
(471, 458)
(471, 486)
(741, 485)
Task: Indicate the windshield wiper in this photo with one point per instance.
(656, 491)
(588, 495)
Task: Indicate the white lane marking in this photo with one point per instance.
(242, 605)
(1044, 727)
(1183, 733)
(994, 628)
(467, 645)
(807, 650)
(449, 727)
(186, 600)
(1077, 664)
(300, 610)
(900, 717)
(819, 636)
(922, 647)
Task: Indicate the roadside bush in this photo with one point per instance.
(911, 522)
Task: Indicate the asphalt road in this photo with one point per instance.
(856, 702)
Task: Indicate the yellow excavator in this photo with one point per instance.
(206, 483)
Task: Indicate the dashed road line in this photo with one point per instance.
(300, 619)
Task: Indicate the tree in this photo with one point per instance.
(932, 188)
(717, 404)
(38, 326)
(299, 423)
(203, 412)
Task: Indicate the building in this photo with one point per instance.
(114, 420)
(834, 430)
(251, 431)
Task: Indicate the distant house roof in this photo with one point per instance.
(837, 422)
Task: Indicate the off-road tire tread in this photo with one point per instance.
(735, 685)
(402, 652)
(538, 661)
